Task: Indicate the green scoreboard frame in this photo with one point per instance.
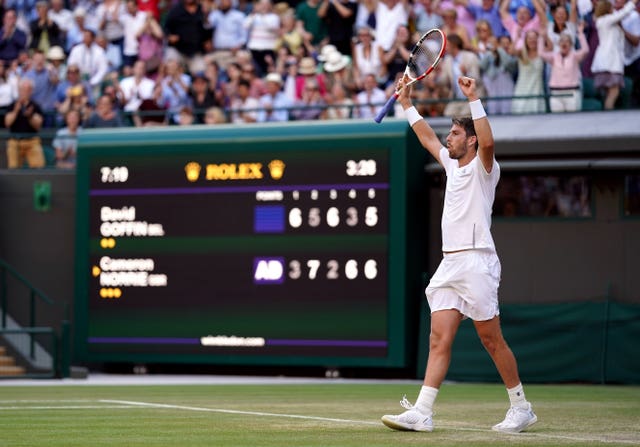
(270, 244)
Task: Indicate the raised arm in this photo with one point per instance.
(422, 129)
(480, 122)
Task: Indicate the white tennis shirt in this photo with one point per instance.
(468, 202)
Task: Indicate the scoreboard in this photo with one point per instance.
(272, 244)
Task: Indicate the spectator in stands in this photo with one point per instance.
(497, 68)
(187, 37)
(175, 89)
(215, 115)
(104, 115)
(366, 15)
(562, 22)
(451, 26)
(530, 77)
(263, 27)
(396, 58)
(248, 73)
(8, 88)
(73, 79)
(485, 37)
(12, 39)
(110, 25)
(367, 58)
(136, 88)
(244, 107)
(202, 96)
(133, 21)
(90, 58)
(339, 102)
(565, 71)
(524, 21)
(113, 53)
(63, 18)
(338, 70)
(229, 34)
(291, 36)
(150, 44)
(186, 117)
(462, 17)
(307, 70)
(312, 105)
(370, 100)
(426, 16)
(44, 80)
(631, 29)
(76, 31)
(339, 17)
(274, 104)
(310, 23)
(608, 61)
(390, 14)
(65, 142)
(488, 11)
(58, 61)
(152, 112)
(24, 120)
(151, 7)
(459, 62)
(45, 33)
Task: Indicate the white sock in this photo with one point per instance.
(516, 396)
(426, 399)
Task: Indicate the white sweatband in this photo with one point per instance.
(412, 115)
(477, 111)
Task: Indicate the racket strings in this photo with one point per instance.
(424, 55)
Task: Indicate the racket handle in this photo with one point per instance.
(386, 108)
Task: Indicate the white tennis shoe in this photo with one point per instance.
(411, 420)
(517, 420)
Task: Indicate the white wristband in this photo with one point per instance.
(412, 115)
(477, 111)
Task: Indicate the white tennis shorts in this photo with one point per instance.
(468, 282)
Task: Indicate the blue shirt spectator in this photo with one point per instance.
(275, 103)
(12, 39)
(44, 85)
(488, 11)
(228, 32)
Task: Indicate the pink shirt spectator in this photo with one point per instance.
(465, 18)
(516, 32)
(565, 70)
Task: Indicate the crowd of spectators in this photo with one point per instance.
(74, 64)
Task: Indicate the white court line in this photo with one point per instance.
(351, 421)
(65, 407)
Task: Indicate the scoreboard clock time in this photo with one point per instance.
(265, 245)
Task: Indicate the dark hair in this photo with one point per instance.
(466, 122)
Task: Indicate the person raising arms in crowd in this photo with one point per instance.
(465, 285)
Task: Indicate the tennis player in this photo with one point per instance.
(465, 285)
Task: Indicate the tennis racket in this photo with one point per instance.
(423, 59)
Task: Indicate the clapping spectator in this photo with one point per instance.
(307, 70)
(8, 88)
(426, 15)
(175, 89)
(45, 32)
(90, 58)
(390, 14)
(109, 13)
(12, 39)
(310, 24)
(274, 104)
(396, 58)
(136, 88)
(150, 44)
(62, 16)
(339, 17)
(367, 58)
(75, 34)
(65, 142)
(338, 70)
(311, 106)
(24, 120)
